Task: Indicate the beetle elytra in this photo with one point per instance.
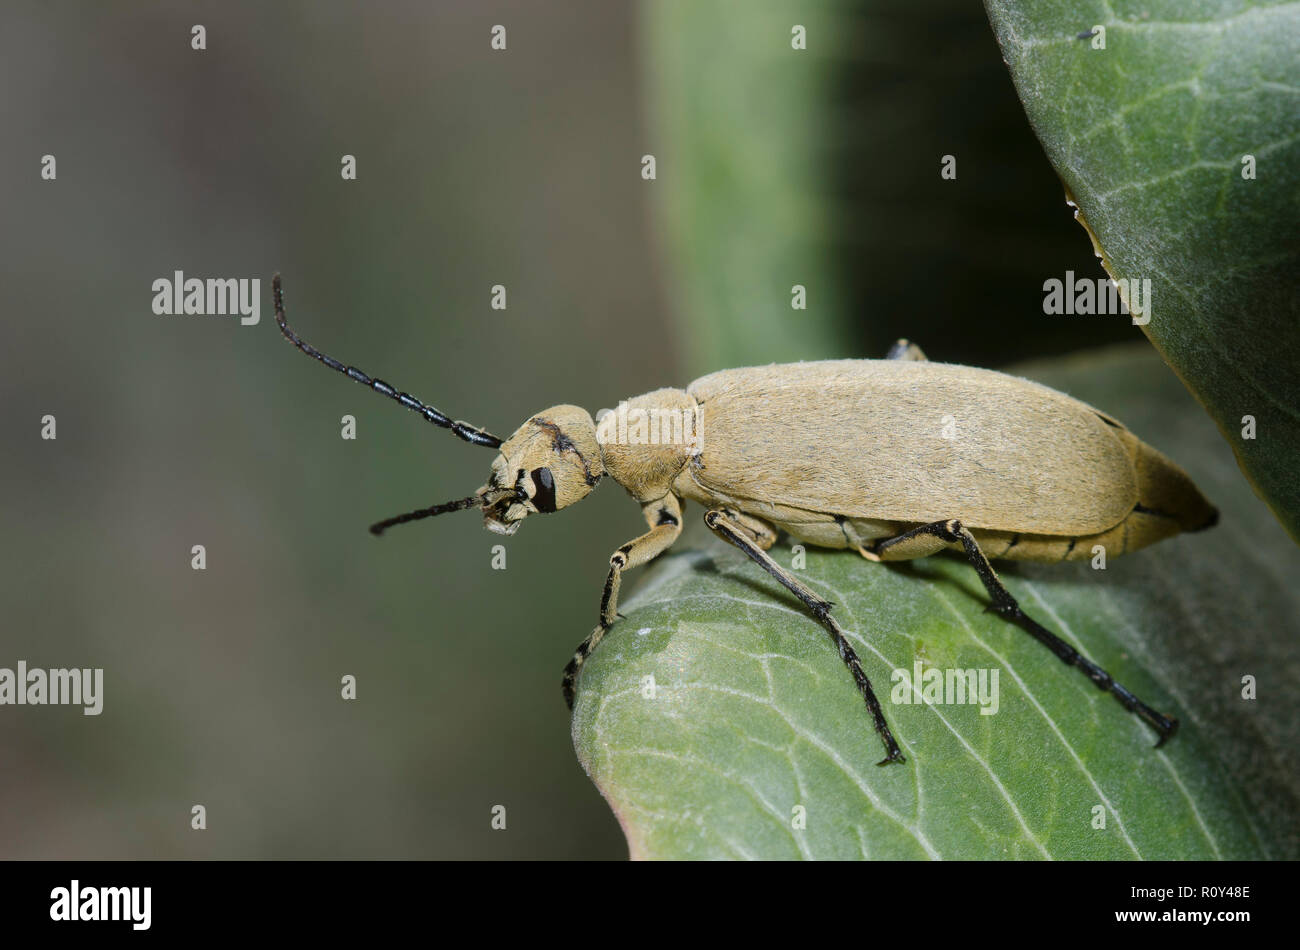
(897, 459)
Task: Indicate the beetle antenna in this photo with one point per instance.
(379, 527)
(464, 430)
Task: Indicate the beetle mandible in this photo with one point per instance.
(845, 454)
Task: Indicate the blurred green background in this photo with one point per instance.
(475, 168)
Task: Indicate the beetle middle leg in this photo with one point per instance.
(930, 538)
(665, 519)
(727, 526)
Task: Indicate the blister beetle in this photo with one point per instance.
(897, 459)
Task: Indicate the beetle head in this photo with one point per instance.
(552, 461)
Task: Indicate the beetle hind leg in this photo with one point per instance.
(726, 526)
(929, 538)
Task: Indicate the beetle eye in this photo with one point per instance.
(544, 494)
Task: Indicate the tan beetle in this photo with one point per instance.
(897, 459)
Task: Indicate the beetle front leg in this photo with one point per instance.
(665, 519)
(737, 533)
(929, 537)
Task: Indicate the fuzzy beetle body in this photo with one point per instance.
(843, 453)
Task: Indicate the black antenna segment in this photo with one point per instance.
(463, 430)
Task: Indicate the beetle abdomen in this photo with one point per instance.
(1169, 503)
(912, 442)
(878, 442)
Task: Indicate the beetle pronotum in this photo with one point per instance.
(847, 454)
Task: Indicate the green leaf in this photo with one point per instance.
(1149, 136)
(752, 714)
